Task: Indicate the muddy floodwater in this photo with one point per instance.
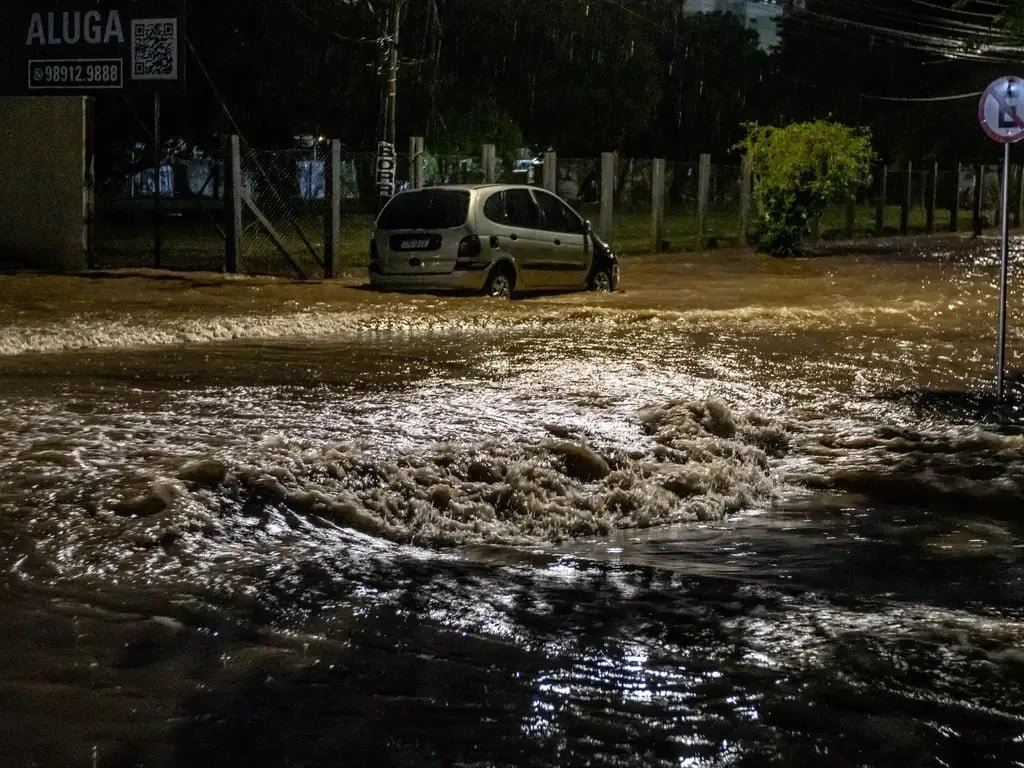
(743, 512)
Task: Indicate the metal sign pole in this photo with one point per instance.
(1004, 259)
(156, 180)
(1001, 114)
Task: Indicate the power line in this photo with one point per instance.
(923, 99)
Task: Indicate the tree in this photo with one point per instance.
(713, 74)
(800, 169)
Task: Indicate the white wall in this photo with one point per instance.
(703, 6)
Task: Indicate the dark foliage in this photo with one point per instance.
(582, 76)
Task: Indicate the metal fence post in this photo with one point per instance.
(489, 158)
(703, 189)
(233, 205)
(883, 182)
(657, 204)
(746, 179)
(604, 225)
(332, 218)
(551, 171)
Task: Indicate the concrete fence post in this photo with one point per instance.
(332, 218)
(233, 205)
(954, 204)
(657, 204)
(932, 195)
(416, 162)
(550, 178)
(746, 188)
(604, 221)
(883, 183)
(703, 191)
(489, 159)
(908, 190)
(979, 181)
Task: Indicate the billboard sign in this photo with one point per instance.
(65, 47)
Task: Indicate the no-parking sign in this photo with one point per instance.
(999, 115)
(1001, 108)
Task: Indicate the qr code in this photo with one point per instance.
(154, 49)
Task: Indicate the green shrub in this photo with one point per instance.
(799, 170)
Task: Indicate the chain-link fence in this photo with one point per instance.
(286, 205)
(181, 228)
(282, 213)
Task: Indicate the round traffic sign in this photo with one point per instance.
(999, 107)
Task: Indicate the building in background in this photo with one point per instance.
(762, 16)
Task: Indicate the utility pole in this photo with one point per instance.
(392, 97)
(386, 157)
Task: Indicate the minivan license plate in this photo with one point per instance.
(415, 242)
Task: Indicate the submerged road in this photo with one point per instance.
(743, 512)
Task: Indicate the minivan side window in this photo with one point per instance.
(556, 216)
(520, 210)
(494, 208)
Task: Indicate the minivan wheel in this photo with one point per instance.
(601, 281)
(500, 283)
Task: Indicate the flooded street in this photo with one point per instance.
(743, 512)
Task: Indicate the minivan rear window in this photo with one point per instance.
(425, 209)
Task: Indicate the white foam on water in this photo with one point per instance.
(700, 463)
(967, 466)
(153, 330)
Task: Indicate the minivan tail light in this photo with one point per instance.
(469, 247)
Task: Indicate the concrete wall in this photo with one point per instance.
(43, 194)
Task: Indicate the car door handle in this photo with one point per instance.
(557, 241)
(513, 236)
(494, 241)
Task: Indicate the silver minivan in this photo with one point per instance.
(490, 238)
